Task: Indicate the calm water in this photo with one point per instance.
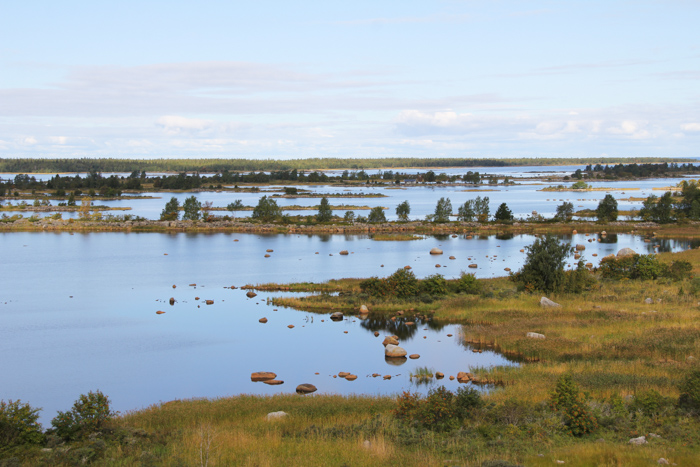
(77, 313)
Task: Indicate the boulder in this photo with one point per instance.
(266, 255)
(306, 388)
(290, 326)
(439, 375)
(407, 267)
(376, 333)
(626, 252)
(250, 294)
(452, 257)
(209, 302)
(473, 266)
(337, 316)
(351, 377)
(648, 301)
(390, 340)
(269, 250)
(387, 376)
(435, 251)
(394, 351)
(262, 376)
(580, 247)
(364, 310)
(534, 335)
(276, 415)
(414, 356)
(159, 312)
(344, 252)
(547, 303)
(172, 300)
(638, 441)
(262, 320)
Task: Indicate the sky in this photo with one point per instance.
(380, 78)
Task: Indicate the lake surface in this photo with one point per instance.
(78, 313)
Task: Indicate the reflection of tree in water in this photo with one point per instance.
(399, 327)
(609, 238)
(504, 236)
(441, 237)
(665, 245)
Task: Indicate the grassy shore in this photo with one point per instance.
(628, 357)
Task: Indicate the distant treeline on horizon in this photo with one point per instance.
(86, 164)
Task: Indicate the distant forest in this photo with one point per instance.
(26, 165)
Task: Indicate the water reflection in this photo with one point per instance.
(398, 327)
(609, 238)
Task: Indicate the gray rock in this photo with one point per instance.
(648, 301)
(638, 441)
(394, 351)
(662, 461)
(534, 335)
(626, 252)
(547, 303)
(276, 415)
(337, 316)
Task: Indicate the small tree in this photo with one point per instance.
(503, 213)
(19, 424)
(349, 216)
(376, 215)
(544, 265)
(403, 210)
(325, 213)
(658, 209)
(465, 213)
(235, 206)
(481, 208)
(567, 399)
(266, 210)
(607, 209)
(443, 209)
(191, 208)
(565, 212)
(89, 414)
(171, 212)
(71, 199)
(207, 206)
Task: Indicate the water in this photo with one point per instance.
(78, 313)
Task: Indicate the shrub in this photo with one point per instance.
(403, 283)
(376, 215)
(468, 284)
(467, 401)
(89, 414)
(19, 424)
(567, 399)
(403, 210)
(438, 410)
(577, 280)
(649, 402)
(375, 287)
(690, 392)
(407, 406)
(434, 285)
(544, 265)
(631, 267)
(267, 210)
(607, 209)
(680, 270)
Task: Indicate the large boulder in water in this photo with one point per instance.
(262, 376)
(394, 351)
(626, 252)
(337, 316)
(390, 340)
(435, 251)
(306, 388)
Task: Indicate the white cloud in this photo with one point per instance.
(58, 139)
(690, 127)
(30, 140)
(176, 124)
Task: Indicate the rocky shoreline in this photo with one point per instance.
(48, 224)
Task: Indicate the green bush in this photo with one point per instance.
(467, 401)
(375, 287)
(434, 285)
(468, 284)
(577, 280)
(632, 267)
(567, 399)
(438, 410)
(19, 424)
(403, 283)
(648, 402)
(89, 414)
(680, 270)
(544, 265)
(690, 392)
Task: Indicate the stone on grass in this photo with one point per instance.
(638, 441)
(276, 415)
(547, 303)
(534, 335)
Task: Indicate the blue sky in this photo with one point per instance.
(275, 79)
